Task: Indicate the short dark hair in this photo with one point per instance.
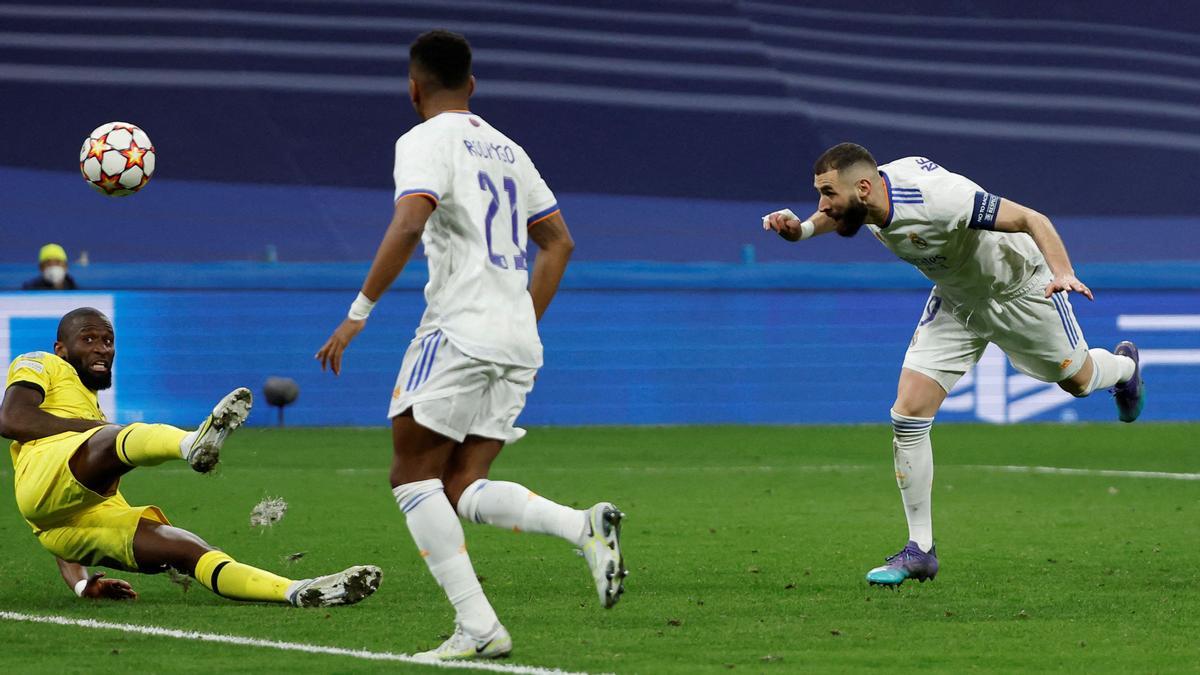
(842, 156)
(444, 56)
(66, 326)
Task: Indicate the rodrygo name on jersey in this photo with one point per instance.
(486, 193)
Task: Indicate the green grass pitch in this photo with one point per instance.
(747, 548)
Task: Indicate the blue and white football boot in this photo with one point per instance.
(1130, 395)
(910, 563)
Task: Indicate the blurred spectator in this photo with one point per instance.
(52, 261)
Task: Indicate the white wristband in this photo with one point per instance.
(361, 308)
(806, 229)
(79, 586)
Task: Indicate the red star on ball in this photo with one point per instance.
(109, 183)
(99, 147)
(133, 156)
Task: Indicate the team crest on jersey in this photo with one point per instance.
(917, 241)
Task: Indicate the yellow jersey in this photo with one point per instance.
(65, 395)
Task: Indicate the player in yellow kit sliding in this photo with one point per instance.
(69, 461)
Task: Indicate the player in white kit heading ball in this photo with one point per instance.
(474, 198)
(1002, 276)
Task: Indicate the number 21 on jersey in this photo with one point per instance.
(510, 188)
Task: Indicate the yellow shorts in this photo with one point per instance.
(71, 521)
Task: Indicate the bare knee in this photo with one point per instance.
(416, 463)
(157, 546)
(1079, 384)
(406, 470)
(910, 408)
(101, 447)
(1074, 388)
(471, 461)
(457, 483)
(106, 437)
(95, 464)
(918, 395)
(417, 453)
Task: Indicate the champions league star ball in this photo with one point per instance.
(117, 159)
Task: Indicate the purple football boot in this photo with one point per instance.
(910, 563)
(1131, 394)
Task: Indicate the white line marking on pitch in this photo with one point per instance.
(835, 468)
(1110, 473)
(275, 644)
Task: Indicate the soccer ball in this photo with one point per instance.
(117, 159)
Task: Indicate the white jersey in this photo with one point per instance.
(486, 193)
(942, 223)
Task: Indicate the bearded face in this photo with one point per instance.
(852, 217)
(840, 200)
(87, 343)
(94, 373)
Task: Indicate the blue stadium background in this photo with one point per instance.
(666, 128)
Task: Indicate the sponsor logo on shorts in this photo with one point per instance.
(1064, 364)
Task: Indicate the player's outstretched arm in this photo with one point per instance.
(1012, 217)
(555, 244)
(22, 420)
(790, 227)
(399, 242)
(94, 585)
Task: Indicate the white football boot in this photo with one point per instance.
(204, 444)
(602, 551)
(344, 588)
(461, 647)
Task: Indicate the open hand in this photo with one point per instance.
(330, 354)
(113, 589)
(1068, 282)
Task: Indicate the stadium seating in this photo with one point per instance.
(706, 99)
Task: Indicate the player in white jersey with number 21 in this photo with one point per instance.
(1002, 276)
(474, 198)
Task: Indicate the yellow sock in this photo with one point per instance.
(231, 579)
(149, 444)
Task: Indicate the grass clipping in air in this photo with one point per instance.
(268, 512)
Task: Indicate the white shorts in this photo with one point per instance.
(1039, 335)
(459, 396)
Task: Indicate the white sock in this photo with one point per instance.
(1108, 369)
(914, 474)
(439, 536)
(515, 507)
(185, 445)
